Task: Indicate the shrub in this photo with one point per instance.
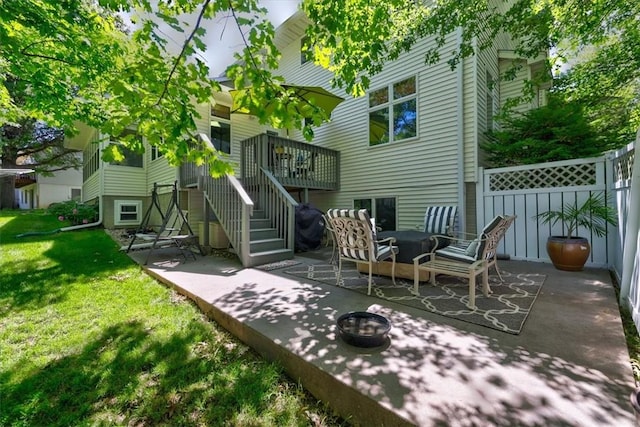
(558, 131)
(74, 212)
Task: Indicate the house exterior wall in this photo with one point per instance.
(50, 189)
(418, 172)
(125, 183)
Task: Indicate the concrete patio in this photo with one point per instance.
(569, 366)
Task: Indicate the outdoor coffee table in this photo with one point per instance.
(410, 243)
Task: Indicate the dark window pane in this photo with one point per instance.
(306, 50)
(386, 214)
(404, 120)
(379, 126)
(404, 88)
(131, 158)
(363, 204)
(221, 136)
(378, 97)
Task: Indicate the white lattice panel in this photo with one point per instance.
(545, 177)
(622, 166)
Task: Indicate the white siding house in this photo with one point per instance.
(439, 164)
(60, 187)
(434, 160)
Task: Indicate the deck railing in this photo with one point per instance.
(292, 163)
(233, 208)
(278, 205)
(230, 202)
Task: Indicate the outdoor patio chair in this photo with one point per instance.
(330, 236)
(465, 258)
(440, 220)
(356, 241)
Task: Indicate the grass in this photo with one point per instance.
(631, 334)
(86, 338)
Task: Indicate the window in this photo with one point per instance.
(382, 209)
(127, 212)
(91, 156)
(76, 194)
(155, 153)
(131, 158)
(221, 128)
(306, 50)
(393, 112)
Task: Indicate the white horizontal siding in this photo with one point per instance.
(513, 88)
(91, 187)
(124, 181)
(159, 171)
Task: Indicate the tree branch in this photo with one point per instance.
(38, 55)
(182, 51)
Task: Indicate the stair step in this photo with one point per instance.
(263, 233)
(259, 223)
(267, 257)
(266, 245)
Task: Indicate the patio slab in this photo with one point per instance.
(569, 366)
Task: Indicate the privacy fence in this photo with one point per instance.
(529, 190)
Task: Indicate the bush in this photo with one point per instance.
(76, 213)
(558, 131)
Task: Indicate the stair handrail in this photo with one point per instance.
(284, 200)
(233, 208)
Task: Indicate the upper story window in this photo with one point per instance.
(221, 128)
(393, 114)
(155, 152)
(131, 157)
(306, 50)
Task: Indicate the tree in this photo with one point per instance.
(38, 146)
(557, 131)
(63, 61)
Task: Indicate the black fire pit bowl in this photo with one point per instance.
(363, 329)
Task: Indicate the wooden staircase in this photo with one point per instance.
(264, 244)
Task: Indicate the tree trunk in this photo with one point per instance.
(7, 192)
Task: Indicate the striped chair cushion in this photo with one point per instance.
(440, 219)
(359, 238)
(473, 251)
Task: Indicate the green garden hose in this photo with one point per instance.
(38, 233)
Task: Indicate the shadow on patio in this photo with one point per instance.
(569, 365)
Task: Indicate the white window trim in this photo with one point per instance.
(213, 118)
(71, 193)
(390, 103)
(117, 210)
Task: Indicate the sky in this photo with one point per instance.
(223, 37)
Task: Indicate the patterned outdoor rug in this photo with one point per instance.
(278, 264)
(506, 309)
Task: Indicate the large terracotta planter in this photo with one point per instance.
(568, 254)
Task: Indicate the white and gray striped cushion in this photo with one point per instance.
(440, 219)
(358, 238)
(463, 252)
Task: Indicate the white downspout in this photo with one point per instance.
(460, 139)
(92, 224)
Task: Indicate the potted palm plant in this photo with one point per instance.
(570, 252)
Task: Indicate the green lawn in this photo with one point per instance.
(86, 338)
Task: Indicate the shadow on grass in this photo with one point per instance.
(38, 269)
(128, 375)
